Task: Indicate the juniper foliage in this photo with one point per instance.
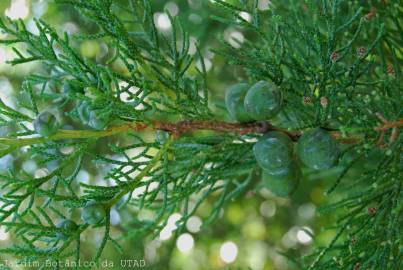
(337, 63)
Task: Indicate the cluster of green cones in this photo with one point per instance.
(274, 152)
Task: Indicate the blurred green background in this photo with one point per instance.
(252, 231)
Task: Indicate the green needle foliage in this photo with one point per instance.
(336, 62)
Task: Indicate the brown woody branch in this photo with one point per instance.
(240, 128)
(181, 127)
(394, 125)
(178, 128)
(389, 125)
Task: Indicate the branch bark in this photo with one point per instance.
(8, 145)
(239, 128)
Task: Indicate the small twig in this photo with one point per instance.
(179, 128)
(394, 125)
(389, 125)
(239, 128)
(345, 140)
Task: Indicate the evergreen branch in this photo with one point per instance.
(311, 56)
(177, 129)
(237, 128)
(133, 184)
(105, 238)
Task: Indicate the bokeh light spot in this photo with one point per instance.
(228, 252)
(18, 9)
(185, 243)
(193, 224)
